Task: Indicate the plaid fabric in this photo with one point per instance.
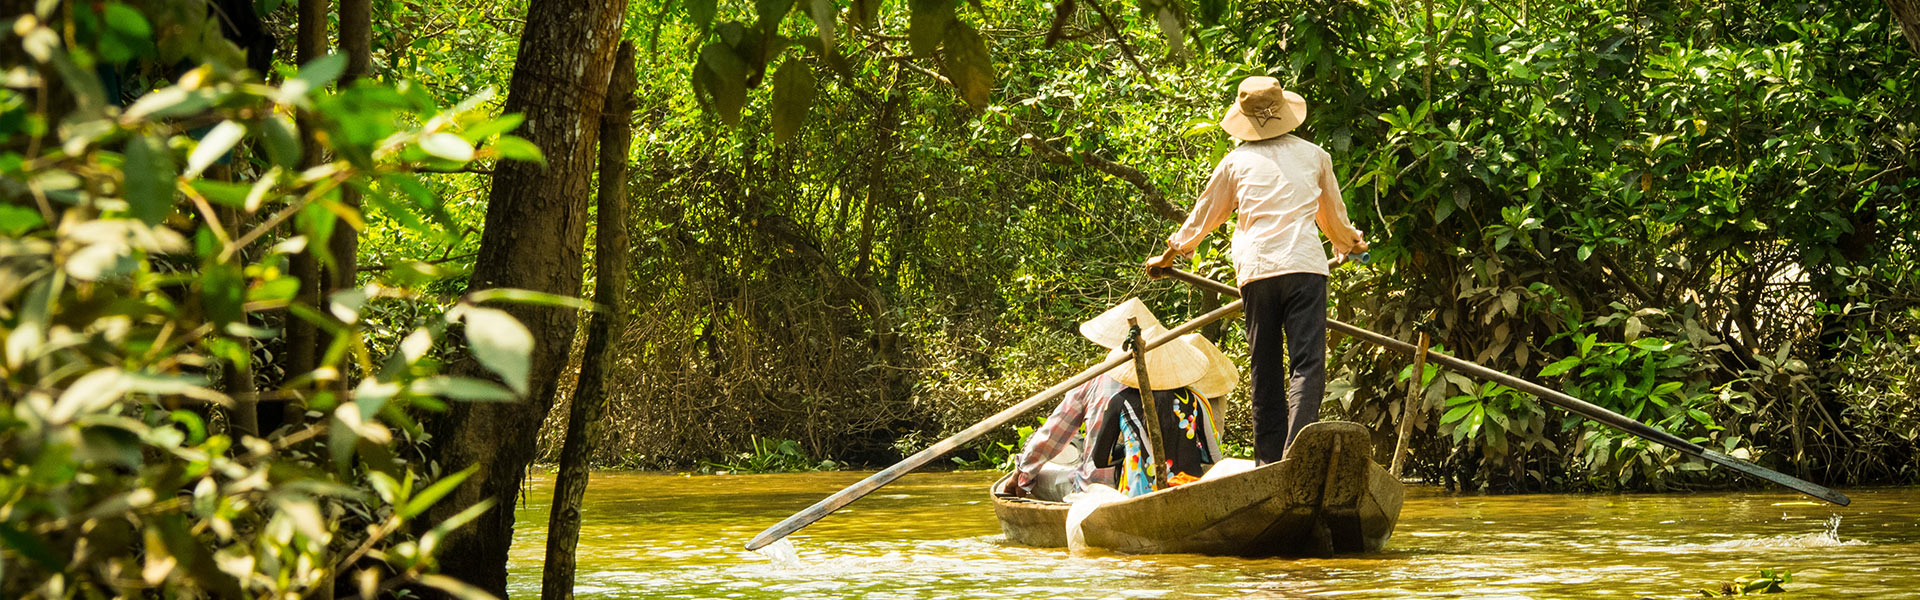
(1086, 405)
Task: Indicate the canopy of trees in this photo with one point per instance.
(289, 290)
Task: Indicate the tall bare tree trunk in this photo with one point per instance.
(356, 41)
(303, 339)
(596, 368)
(1907, 13)
(536, 223)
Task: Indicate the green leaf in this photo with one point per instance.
(867, 12)
(700, 13)
(149, 176)
(430, 541)
(447, 146)
(514, 147)
(222, 286)
(462, 388)
(282, 142)
(519, 296)
(420, 502)
(213, 146)
(315, 75)
(969, 65)
(168, 102)
(16, 220)
(793, 90)
(1454, 415)
(1560, 366)
(124, 20)
(316, 222)
(501, 344)
(928, 25)
(30, 546)
(729, 81)
(823, 13)
(772, 11)
(480, 132)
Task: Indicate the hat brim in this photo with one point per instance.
(1221, 375)
(1109, 329)
(1173, 365)
(1246, 128)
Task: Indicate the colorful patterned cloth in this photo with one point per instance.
(1192, 441)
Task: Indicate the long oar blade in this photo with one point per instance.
(1557, 398)
(873, 482)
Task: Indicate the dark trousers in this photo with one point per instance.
(1285, 311)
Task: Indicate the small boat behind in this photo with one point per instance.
(1327, 497)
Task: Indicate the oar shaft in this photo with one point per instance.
(873, 482)
(1554, 397)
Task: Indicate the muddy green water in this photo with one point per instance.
(933, 535)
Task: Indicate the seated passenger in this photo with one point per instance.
(1190, 417)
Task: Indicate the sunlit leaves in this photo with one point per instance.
(312, 76)
(447, 146)
(500, 343)
(514, 147)
(213, 146)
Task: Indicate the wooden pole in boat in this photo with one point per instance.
(1156, 445)
(1555, 397)
(873, 482)
(1414, 387)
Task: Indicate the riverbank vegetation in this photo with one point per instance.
(291, 289)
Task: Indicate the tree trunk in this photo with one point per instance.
(1907, 13)
(303, 339)
(590, 398)
(534, 229)
(356, 41)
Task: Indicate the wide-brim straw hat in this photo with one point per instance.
(1221, 376)
(1109, 329)
(1262, 110)
(1173, 365)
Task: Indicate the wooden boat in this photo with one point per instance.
(1326, 497)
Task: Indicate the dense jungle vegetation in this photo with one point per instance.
(292, 291)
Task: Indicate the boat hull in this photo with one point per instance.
(1327, 497)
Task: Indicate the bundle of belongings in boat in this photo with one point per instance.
(1097, 436)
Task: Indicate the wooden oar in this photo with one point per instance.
(1554, 397)
(873, 482)
(1156, 445)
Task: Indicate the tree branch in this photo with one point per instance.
(1154, 197)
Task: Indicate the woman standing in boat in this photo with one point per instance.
(1281, 187)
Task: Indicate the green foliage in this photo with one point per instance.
(770, 456)
(1768, 581)
(148, 255)
(998, 455)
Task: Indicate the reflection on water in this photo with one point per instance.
(934, 536)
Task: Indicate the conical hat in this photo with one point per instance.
(1221, 375)
(1173, 365)
(1109, 329)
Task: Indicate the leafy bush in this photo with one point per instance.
(145, 247)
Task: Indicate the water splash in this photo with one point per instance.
(1827, 537)
(782, 554)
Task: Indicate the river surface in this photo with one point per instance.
(651, 535)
